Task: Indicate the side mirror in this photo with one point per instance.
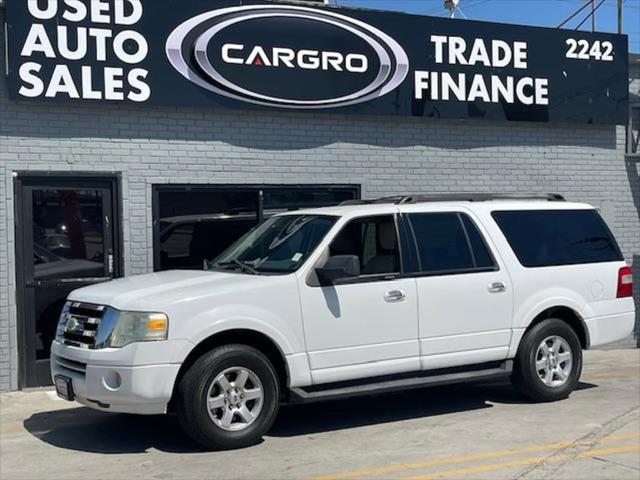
(339, 266)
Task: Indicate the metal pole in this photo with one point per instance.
(593, 15)
(619, 16)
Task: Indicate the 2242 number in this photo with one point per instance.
(583, 50)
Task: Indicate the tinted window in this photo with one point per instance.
(441, 241)
(558, 237)
(373, 240)
(481, 253)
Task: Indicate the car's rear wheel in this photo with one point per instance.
(549, 361)
(228, 398)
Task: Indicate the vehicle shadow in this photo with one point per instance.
(426, 402)
(86, 430)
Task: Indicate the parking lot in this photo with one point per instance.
(464, 431)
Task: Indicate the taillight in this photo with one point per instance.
(625, 282)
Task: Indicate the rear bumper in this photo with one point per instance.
(610, 328)
(144, 389)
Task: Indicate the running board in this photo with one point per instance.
(394, 383)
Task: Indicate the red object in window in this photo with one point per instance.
(625, 282)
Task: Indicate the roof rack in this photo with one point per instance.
(457, 197)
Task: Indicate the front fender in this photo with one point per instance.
(281, 331)
(238, 316)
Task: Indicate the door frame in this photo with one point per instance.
(24, 309)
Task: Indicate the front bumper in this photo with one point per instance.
(120, 386)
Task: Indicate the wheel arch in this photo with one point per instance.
(244, 336)
(568, 315)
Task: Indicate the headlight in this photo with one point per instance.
(138, 327)
(62, 322)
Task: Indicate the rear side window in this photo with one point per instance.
(448, 242)
(541, 238)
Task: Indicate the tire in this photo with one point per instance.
(227, 425)
(547, 383)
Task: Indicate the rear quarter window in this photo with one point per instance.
(541, 238)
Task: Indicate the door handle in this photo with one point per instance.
(496, 287)
(393, 296)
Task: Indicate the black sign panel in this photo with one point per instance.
(279, 56)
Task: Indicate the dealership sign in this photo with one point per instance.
(279, 56)
(367, 65)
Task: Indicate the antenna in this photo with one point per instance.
(453, 6)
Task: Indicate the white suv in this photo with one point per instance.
(366, 297)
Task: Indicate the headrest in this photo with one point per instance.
(387, 235)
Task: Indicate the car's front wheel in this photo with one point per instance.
(228, 398)
(549, 361)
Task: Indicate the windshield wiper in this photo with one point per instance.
(243, 266)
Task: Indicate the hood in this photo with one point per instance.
(157, 291)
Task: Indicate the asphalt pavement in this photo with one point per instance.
(465, 431)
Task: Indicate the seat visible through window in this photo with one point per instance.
(374, 241)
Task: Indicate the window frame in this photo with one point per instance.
(313, 281)
(456, 271)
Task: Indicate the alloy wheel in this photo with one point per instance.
(554, 361)
(235, 398)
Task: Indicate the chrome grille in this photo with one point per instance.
(81, 323)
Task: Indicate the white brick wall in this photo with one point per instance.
(386, 155)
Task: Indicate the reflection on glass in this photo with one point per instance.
(67, 243)
(278, 245)
(196, 224)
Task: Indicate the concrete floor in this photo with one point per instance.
(461, 431)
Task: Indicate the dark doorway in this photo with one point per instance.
(194, 223)
(66, 238)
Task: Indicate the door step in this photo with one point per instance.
(394, 383)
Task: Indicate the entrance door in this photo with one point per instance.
(65, 240)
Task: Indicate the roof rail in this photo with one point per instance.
(395, 199)
(457, 197)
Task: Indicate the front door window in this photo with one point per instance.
(374, 241)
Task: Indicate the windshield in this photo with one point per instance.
(279, 245)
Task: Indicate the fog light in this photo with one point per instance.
(112, 380)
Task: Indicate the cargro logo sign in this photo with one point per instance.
(287, 56)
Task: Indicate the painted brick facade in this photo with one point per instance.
(385, 155)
